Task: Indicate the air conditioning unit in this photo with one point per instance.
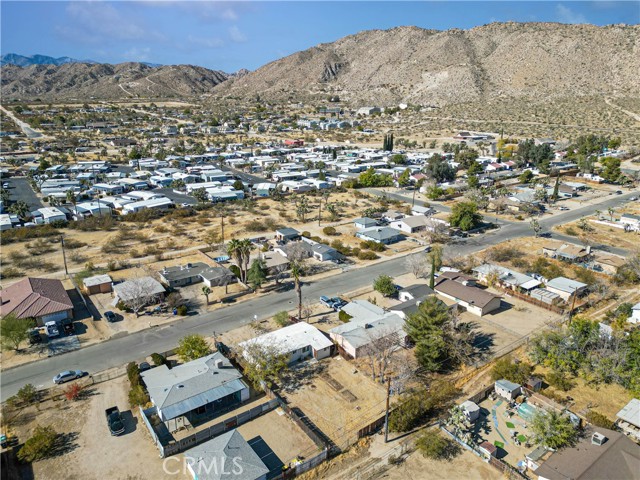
(598, 439)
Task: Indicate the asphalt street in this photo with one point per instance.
(19, 189)
(134, 347)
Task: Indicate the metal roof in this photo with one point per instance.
(630, 413)
(186, 387)
(565, 284)
(293, 337)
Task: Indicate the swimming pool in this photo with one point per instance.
(526, 411)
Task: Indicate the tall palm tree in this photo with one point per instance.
(72, 199)
(611, 211)
(297, 270)
(245, 246)
(233, 250)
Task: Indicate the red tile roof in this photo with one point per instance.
(35, 297)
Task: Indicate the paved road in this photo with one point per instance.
(118, 351)
(20, 189)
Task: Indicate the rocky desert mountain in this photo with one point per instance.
(105, 81)
(413, 65)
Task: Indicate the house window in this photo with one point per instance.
(307, 348)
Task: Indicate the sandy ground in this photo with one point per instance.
(92, 453)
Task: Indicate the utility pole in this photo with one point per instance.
(319, 210)
(64, 256)
(386, 413)
(413, 200)
(573, 303)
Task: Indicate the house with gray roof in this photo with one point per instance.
(196, 388)
(385, 235)
(364, 222)
(225, 457)
(358, 333)
(506, 277)
(287, 234)
(475, 300)
(181, 275)
(565, 287)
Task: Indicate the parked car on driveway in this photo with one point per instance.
(67, 376)
(52, 329)
(326, 301)
(110, 316)
(114, 421)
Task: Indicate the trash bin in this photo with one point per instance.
(175, 311)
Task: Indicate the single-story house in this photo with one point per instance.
(459, 277)
(507, 389)
(630, 219)
(364, 222)
(565, 287)
(310, 248)
(635, 314)
(198, 387)
(299, 340)
(162, 203)
(412, 224)
(599, 454)
(471, 410)
(43, 299)
(147, 288)
(191, 273)
(287, 234)
(414, 292)
(98, 284)
(476, 301)
(274, 261)
(608, 263)
(392, 215)
(227, 456)
(359, 332)
(505, 277)
(628, 419)
(566, 251)
(384, 235)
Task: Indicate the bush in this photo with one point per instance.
(559, 380)
(182, 310)
(306, 234)
(504, 254)
(282, 318)
(344, 316)
(419, 404)
(329, 231)
(72, 392)
(371, 245)
(255, 226)
(122, 306)
(138, 396)
(434, 446)
(39, 446)
(521, 263)
(10, 272)
(71, 244)
(599, 420)
(28, 393)
(133, 373)
(367, 255)
(571, 231)
(158, 359)
(506, 368)
(384, 284)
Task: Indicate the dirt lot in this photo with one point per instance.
(90, 452)
(338, 399)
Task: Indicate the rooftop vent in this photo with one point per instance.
(219, 363)
(180, 386)
(598, 439)
(368, 325)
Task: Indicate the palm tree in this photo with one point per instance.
(611, 211)
(297, 270)
(233, 250)
(72, 199)
(245, 246)
(206, 291)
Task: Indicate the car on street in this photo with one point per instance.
(67, 376)
(618, 192)
(633, 199)
(110, 316)
(5, 185)
(563, 208)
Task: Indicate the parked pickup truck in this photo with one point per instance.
(114, 421)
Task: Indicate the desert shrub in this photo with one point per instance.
(160, 229)
(122, 306)
(329, 231)
(355, 251)
(344, 316)
(72, 392)
(77, 257)
(27, 393)
(282, 318)
(521, 263)
(39, 247)
(22, 234)
(272, 224)
(371, 245)
(135, 253)
(232, 221)
(367, 255)
(138, 396)
(585, 275)
(434, 446)
(340, 247)
(112, 265)
(142, 216)
(91, 224)
(504, 254)
(599, 420)
(571, 231)
(133, 373)
(255, 226)
(158, 359)
(40, 445)
(306, 234)
(182, 310)
(72, 244)
(417, 405)
(151, 250)
(10, 272)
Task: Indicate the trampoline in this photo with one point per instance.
(526, 411)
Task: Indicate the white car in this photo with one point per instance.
(52, 329)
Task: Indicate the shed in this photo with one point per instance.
(98, 284)
(507, 389)
(488, 449)
(534, 383)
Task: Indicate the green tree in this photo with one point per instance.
(535, 226)
(506, 368)
(13, 331)
(200, 194)
(434, 192)
(439, 169)
(371, 179)
(27, 393)
(553, 429)
(20, 208)
(302, 208)
(405, 178)
(434, 446)
(265, 363)
(238, 185)
(40, 445)
(192, 347)
(257, 274)
(611, 169)
(434, 257)
(282, 318)
(384, 284)
(526, 176)
(465, 216)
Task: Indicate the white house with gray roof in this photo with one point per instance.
(384, 235)
(199, 387)
(565, 287)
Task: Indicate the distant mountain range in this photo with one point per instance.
(25, 61)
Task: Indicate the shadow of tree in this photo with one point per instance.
(300, 375)
(65, 443)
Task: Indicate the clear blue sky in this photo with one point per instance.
(242, 34)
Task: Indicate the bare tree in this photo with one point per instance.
(378, 353)
(417, 264)
(296, 252)
(436, 231)
(138, 293)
